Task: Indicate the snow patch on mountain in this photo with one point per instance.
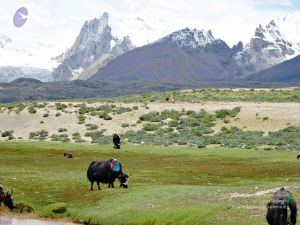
(272, 44)
(192, 38)
(34, 55)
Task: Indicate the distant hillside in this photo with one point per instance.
(30, 89)
(288, 71)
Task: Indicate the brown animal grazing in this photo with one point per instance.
(282, 209)
(68, 155)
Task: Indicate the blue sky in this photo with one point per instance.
(287, 6)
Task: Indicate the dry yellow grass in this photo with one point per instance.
(279, 115)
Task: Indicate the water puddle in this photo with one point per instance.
(260, 193)
(13, 221)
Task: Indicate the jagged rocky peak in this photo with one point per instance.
(271, 33)
(259, 32)
(93, 48)
(95, 36)
(4, 40)
(93, 30)
(192, 38)
(238, 47)
(271, 24)
(271, 44)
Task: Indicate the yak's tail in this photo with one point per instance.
(88, 173)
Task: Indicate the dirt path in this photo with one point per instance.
(260, 193)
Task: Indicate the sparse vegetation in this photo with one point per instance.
(31, 110)
(221, 95)
(151, 126)
(92, 126)
(60, 106)
(62, 130)
(45, 115)
(39, 135)
(104, 115)
(77, 138)
(223, 113)
(81, 119)
(9, 134)
(124, 125)
(98, 137)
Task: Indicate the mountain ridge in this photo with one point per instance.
(183, 55)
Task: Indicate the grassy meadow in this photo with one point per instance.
(206, 156)
(168, 184)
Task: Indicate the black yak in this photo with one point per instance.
(68, 155)
(117, 141)
(7, 198)
(106, 172)
(282, 209)
(298, 157)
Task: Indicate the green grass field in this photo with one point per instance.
(168, 185)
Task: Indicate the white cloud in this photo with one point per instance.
(56, 23)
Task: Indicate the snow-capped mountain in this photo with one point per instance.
(15, 62)
(272, 44)
(93, 48)
(192, 38)
(184, 55)
(4, 41)
(10, 73)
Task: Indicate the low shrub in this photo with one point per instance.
(151, 126)
(62, 130)
(31, 110)
(226, 120)
(22, 207)
(77, 138)
(39, 135)
(8, 133)
(173, 123)
(98, 137)
(45, 115)
(55, 210)
(223, 113)
(92, 126)
(81, 119)
(60, 106)
(121, 110)
(104, 115)
(151, 117)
